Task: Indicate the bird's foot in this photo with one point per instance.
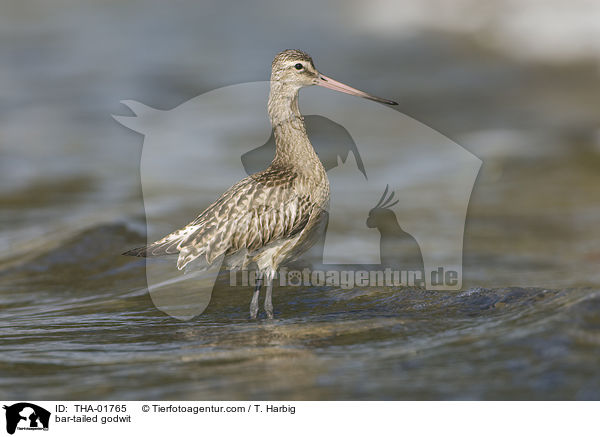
(253, 312)
(269, 310)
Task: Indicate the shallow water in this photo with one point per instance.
(76, 319)
(88, 330)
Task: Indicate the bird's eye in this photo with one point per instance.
(298, 66)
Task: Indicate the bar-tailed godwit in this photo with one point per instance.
(273, 215)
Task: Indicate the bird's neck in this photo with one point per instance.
(293, 148)
(283, 104)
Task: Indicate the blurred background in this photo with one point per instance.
(514, 82)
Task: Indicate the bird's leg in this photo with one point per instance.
(254, 303)
(268, 301)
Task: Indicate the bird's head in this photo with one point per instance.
(295, 69)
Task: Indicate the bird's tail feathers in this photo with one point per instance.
(169, 245)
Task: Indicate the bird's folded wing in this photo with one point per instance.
(254, 212)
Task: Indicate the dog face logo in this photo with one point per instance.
(26, 416)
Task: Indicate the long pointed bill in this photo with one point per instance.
(328, 82)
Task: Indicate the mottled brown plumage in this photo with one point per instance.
(273, 215)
